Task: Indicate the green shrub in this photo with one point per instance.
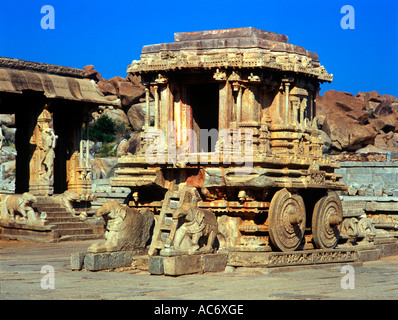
(103, 129)
(107, 150)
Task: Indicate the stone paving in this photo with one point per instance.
(21, 278)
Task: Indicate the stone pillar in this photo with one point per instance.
(147, 108)
(239, 106)
(78, 167)
(1, 138)
(287, 102)
(42, 161)
(156, 106)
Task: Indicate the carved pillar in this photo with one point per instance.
(239, 106)
(78, 166)
(156, 106)
(294, 112)
(147, 109)
(287, 102)
(41, 165)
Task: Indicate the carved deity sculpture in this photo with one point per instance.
(47, 148)
(42, 162)
(126, 228)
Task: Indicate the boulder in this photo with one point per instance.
(129, 93)
(390, 122)
(347, 134)
(91, 73)
(342, 103)
(136, 116)
(388, 104)
(346, 120)
(115, 80)
(117, 115)
(130, 146)
(106, 87)
(7, 120)
(9, 133)
(372, 100)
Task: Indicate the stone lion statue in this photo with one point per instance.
(67, 199)
(20, 205)
(126, 229)
(197, 233)
(349, 228)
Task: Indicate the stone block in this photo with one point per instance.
(103, 261)
(179, 265)
(187, 264)
(369, 255)
(155, 265)
(77, 260)
(389, 249)
(378, 192)
(142, 262)
(214, 262)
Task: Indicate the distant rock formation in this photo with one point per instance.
(366, 122)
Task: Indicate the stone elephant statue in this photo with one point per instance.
(198, 231)
(19, 205)
(126, 229)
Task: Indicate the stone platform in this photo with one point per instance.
(218, 262)
(280, 259)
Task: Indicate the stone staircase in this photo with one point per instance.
(66, 225)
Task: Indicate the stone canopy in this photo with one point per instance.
(53, 81)
(240, 47)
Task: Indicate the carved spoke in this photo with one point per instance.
(327, 216)
(286, 220)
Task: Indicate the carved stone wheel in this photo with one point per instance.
(286, 220)
(327, 215)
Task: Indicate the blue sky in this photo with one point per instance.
(110, 34)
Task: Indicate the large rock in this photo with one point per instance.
(390, 122)
(129, 93)
(117, 115)
(130, 146)
(346, 120)
(372, 100)
(342, 103)
(136, 116)
(91, 73)
(106, 87)
(388, 105)
(7, 120)
(347, 134)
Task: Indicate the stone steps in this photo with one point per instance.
(68, 226)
